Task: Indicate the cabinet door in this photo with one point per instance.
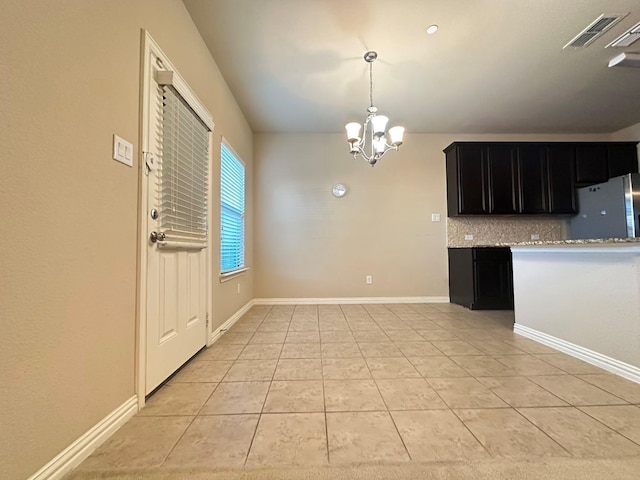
(501, 162)
(493, 279)
(461, 276)
(532, 179)
(623, 159)
(560, 171)
(591, 164)
(472, 180)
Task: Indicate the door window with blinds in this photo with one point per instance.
(183, 173)
(232, 205)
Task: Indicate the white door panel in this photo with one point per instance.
(176, 271)
(176, 310)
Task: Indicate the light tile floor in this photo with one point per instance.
(340, 384)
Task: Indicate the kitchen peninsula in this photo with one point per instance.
(581, 297)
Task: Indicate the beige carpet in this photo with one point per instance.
(553, 468)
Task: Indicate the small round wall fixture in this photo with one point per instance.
(339, 190)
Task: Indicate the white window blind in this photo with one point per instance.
(183, 173)
(232, 197)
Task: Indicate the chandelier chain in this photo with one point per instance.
(371, 83)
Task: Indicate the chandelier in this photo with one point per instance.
(376, 124)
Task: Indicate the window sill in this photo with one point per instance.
(226, 276)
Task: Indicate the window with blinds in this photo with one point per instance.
(231, 211)
(183, 173)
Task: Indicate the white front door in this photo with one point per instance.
(174, 268)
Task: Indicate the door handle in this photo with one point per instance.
(155, 236)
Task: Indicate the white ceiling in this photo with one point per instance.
(495, 66)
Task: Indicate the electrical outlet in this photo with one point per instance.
(238, 288)
(535, 236)
(468, 237)
(369, 279)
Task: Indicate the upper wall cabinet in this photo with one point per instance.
(502, 192)
(622, 158)
(560, 177)
(533, 184)
(591, 164)
(529, 178)
(469, 180)
(598, 162)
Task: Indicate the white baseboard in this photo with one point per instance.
(612, 365)
(84, 446)
(217, 333)
(347, 300)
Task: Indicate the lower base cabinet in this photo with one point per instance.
(481, 278)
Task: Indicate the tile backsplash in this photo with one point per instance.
(492, 230)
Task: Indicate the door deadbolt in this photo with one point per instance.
(155, 236)
(154, 213)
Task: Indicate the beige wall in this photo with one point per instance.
(309, 244)
(631, 133)
(68, 249)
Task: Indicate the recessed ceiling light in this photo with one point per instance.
(432, 29)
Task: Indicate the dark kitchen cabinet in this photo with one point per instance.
(622, 158)
(591, 164)
(467, 180)
(514, 178)
(532, 179)
(598, 162)
(481, 179)
(481, 278)
(562, 188)
(510, 179)
(501, 168)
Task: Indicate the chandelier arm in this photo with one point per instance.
(387, 150)
(363, 154)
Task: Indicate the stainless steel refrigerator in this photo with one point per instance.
(608, 210)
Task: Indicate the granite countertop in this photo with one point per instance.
(601, 241)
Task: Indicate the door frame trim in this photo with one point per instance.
(148, 46)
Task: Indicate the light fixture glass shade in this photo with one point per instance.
(353, 132)
(379, 144)
(379, 124)
(396, 134)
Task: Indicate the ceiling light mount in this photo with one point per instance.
(370, 57)
(626, 60)
(377, 124)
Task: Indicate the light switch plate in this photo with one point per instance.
(122, 151)
(468, 237)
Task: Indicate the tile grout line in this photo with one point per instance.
(386, 405)
(608, 426)
(546, 434)
(255, 431)
(324, 398)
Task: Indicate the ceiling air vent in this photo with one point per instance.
(627, 38)
(600, 25)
